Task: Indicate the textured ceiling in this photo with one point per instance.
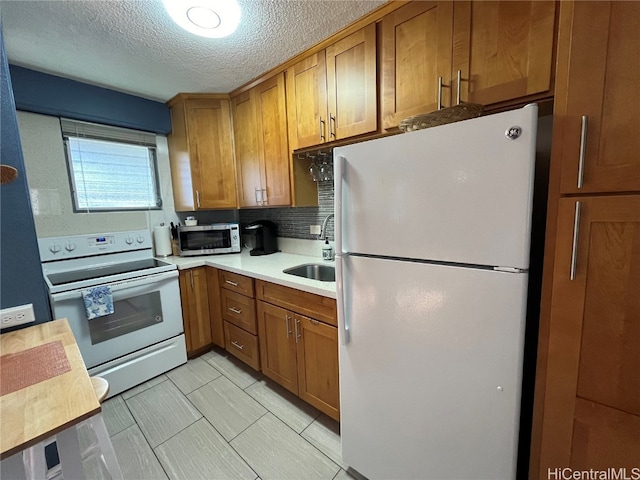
(134, 47)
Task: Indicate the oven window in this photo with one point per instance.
(205, 239)
(130, 314)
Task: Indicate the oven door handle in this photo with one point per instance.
(118, 286)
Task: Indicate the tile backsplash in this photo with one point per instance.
(295, 222)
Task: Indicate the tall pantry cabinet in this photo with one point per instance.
(587, 410)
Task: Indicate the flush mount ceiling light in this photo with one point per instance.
(207, 18)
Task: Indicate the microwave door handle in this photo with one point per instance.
(118, 286)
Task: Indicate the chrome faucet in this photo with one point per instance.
(323, 229)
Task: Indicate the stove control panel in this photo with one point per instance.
(78, 246)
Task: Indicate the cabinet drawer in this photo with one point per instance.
(315, 306)
(239, 310)
(236, 283)
(242, 345)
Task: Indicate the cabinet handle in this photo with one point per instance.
(237, 345)
(332, 133)
(234, 310)
(315, 322)
(256, 194)
(440, 87)
(459, 87)
(295, 324)
(198, 198)
(322, 137)
(574, 246)
(265, 201)
(286, 321)
(234, 284)
(192, 286)
(583, 150)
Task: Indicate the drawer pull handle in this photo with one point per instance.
(286, 321)
(234, 284)
(237, 345)
(235, 310)
(574, 245)
(315, 322)
(583, 150)
(295, 325)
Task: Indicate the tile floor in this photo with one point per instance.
(216, 418)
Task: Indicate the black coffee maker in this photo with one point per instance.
(261, 237)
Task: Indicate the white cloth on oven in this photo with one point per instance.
(98, 301)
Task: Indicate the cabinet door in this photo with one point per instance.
(215, 307)
(318, 365)
(277, 345)
(503, 50)
(245, 136)
(194, 282)
(307, 102)
(271, 115)
(593, 354)
(416, 50)
(599, 78)
(352, 84)
(213, 168)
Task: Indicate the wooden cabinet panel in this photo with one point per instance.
(307, 101)
(321, 308)
(195, 308)
(273, 146)
(594, 331)
(277, 345)
(601, 63)
(242, 345)
(245, 135)
(416, 49)
(236, 283)
(504, 50)
(317, 351)
(201, 154)
(239, 310)
(605, 438)
(352, 84)
(215, 307)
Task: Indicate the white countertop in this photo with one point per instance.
(266, 267)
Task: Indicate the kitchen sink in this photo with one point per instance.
(314, 271)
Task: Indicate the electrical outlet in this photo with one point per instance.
(10, 317)
(314, 229)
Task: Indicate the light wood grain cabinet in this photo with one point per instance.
(332, 94)
(592, 384)
(194, 296)
(439, 53)
(201, 153)
(215, 307)
(297, 351)
(261, 145)
(600, 68)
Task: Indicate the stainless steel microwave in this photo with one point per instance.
(209, 239)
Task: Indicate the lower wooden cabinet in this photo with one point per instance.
(301, 354)
(242, 345)
(195, 310)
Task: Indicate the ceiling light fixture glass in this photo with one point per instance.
(207, 18)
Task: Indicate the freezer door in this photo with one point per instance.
(457, 193)
(430, 375)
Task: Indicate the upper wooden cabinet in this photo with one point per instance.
(332, 94)
(503, 52)
(599, 62)
(416, 53)
(201, 153)
(261, 146)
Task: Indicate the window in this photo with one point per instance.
(111, 168)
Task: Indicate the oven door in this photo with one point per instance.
(147, 310)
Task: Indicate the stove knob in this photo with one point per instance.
(129, 240)
(140, 239)
(70, 247)
(54, 248)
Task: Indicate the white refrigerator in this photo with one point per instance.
(432, 241)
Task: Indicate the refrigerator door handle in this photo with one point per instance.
(338, 164)
(343, 327)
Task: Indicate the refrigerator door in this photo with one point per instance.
(430, 375)
(455, 193)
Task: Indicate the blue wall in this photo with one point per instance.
(39, 92)
(20, 271)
